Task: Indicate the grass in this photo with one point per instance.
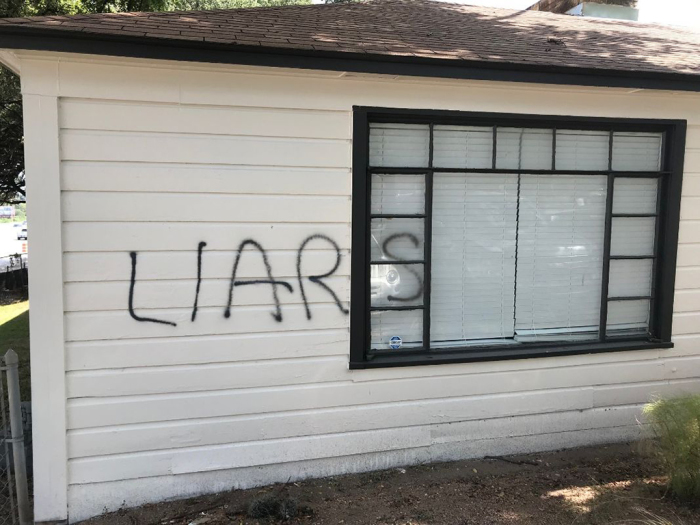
(14, 333)
(676, 424)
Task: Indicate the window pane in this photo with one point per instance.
(582, 150)
(519, 148)
(399, 145)
(632, 236)
(402, 194)
(397, 239)
(560, 257)
(406, 327)
(637, 151)
(628, 318)
(473, 257)
(633, 195)
(396, 284)
(630, 278)
(462, 147)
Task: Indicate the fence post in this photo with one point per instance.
(16, 428)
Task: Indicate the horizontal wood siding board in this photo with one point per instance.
(691, 185)
(150, 236)
(198, 378)
(689, 231)
(687, 301)
(238, 429)
(85, 267)
(204, 149)
(227, 86)
(690, 208)
(203, 178)
(97, 326)
(96, 296)
(141, 353)
(100, 115)
(94, 412)
(686, 322)
(255, 453)
(688, 278)
(242, 455)
(689, 255)
(194, 208)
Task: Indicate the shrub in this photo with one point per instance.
(676, 424)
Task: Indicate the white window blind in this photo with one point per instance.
(399, 145)
(561, 232)
(473, 261)
(462, 147)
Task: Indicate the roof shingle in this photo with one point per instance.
(405, 28)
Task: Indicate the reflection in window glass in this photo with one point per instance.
(398, 194)
(462, 147)
(519, 148)
(400, 329)
(399, 145)
(582, 150)
(637, 151)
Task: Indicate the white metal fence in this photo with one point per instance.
(15, 508)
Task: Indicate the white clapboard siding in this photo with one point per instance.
(686, 322)
(690, 208)
(260, 87)
(238, 429)
(154, 236)
(89, 296)
(689, 231)
(255, 453)
(691, 184)
(209, 120)
(96, 355)
(643, 392)
(688, 279)
(203, 149)
(158, 266)
(95, 326)
(689, 254)
(687, 301)
(692, 160)
(242, 454)
(203, 178)
(85, 413)
(201, 378)
(193, 208)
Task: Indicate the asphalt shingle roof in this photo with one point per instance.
(421, 29)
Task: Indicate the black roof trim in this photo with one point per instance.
(208, 52)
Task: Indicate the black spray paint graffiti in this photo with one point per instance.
(270, 281)
(318, 279)
(131, 298)
(385, 248)
(200, 248)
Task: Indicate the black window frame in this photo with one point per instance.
(666, 242)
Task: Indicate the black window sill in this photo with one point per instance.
(501, 354)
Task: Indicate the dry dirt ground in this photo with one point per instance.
(615, 484)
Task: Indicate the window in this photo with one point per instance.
(481, 237)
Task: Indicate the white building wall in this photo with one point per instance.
(157, 157)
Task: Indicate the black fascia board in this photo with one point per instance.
(67, 41)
